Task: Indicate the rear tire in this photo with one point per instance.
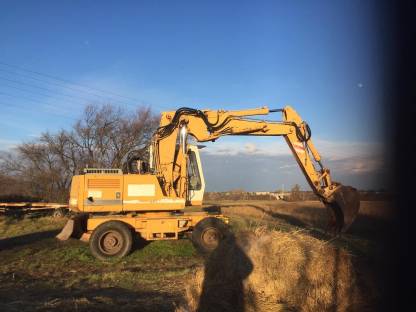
(59, 213)
(112, 239)
(207, 235)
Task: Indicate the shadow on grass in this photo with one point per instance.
(285, 217)
(297, 287)
(365, 226)
(26, 239)
(139, 242)
(366, 237)
(45, 297)
(225, 270)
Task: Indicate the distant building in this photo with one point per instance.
(276, 195)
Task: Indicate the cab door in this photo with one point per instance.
(196, 181)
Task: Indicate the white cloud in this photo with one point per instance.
(287, 166)
(340, 150)
(6, 144)
(353, 157)
(250, 148)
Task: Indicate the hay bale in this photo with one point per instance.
(273, 271)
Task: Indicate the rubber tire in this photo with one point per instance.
(201, 227)
(117, 226)
(59, 213)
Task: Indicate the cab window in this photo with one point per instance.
(193, 173)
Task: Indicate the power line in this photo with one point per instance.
(54, 95)
(39, 93)
(46, 89)
(64, 80)
(72, 83)
(37, 102)
(55, 83)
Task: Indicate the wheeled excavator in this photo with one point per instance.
(111, 206)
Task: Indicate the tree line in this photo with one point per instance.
(101, 138)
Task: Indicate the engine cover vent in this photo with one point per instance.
(103, 183)
(103, 171)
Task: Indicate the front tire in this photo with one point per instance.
(112, 239)
(207, 235)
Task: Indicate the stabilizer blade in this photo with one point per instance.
(75, 227)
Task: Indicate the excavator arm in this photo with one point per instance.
(169, 152)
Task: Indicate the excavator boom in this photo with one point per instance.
(208, 125)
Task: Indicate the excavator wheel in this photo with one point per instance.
(59, 213)
(111, 239)
(343, 208)
(207, 234)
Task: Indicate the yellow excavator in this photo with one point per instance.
(149, 197)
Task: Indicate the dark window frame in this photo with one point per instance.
(193, 171)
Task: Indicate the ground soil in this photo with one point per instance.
(39, 273)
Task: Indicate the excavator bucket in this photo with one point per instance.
(75, 227)
(343, 208)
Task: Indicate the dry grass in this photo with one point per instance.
(278, 260)
(302, 213)
(265, 270)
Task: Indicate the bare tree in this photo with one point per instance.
(103, 137)
(295, 194)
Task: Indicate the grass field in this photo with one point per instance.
(39, 273)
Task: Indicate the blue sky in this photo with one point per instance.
(325, 58)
